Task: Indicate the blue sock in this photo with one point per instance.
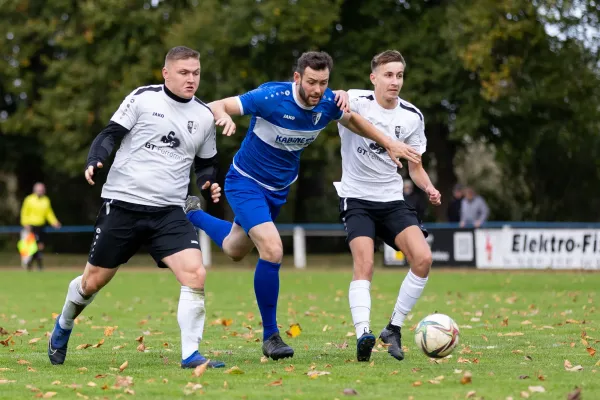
(215, 228)
(266, 288)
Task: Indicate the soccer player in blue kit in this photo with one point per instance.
(286, 118)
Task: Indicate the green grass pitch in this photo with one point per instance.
(517, 331)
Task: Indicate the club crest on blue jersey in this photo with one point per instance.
(316, 117)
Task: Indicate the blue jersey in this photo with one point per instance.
(280, 129)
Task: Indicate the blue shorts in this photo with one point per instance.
(251, 203)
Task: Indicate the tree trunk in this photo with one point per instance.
(444, 150)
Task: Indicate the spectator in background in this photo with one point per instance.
(456, 203)
(414, 199)
(473, 211)
(36, 211)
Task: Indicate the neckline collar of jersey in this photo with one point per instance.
(175, 97)
(297, 100)
(382, 108)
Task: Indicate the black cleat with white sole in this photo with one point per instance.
(364, 346)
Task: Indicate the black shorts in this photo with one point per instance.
(122, 228)
(39, 232)
(384, 220)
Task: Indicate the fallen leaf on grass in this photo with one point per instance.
(84, 397)
(349, 334)
(100, 343)
(278, 382)
(264, 359)
(3, 331)
(466, 378)
(100, 376)
(83, 346)
(291, 368)
(6, 369)
(200, 369)
(504, 322)
(575, 394)
(141, 348)
(569, 367)
(92, 384)
(316, 374)
(55, 383)
(109, 330)
(5, 341)
(486, 339)
(32, 388)
(129, 391)
(123, 382)
(415, 370)
(470, 394)
(34, 340)
(22, 362)
(235, 370)
(225, 385)
(20, 332)
(29, 369)
(123, 366)
(119, 347)
(294, 330)
(350, 392)
(537, 389)
(462, 360)
(523, 376)
(3, 381)
(417, 383)
(191, 388)
(525, 395)
(591, 350)
(82, 369)
(139, 339)
(47, 395)
(394, 373)
(511, 334)
(528, 358)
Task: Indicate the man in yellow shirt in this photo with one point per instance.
(35, 213)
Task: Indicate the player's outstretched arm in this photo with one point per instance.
(420, 177)
(223, 110)
(101, 148)
(359, 125)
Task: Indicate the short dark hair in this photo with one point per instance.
(317, 60)
(181, 53)
(386, 57)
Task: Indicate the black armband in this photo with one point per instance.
(104, 143)
(206, 171)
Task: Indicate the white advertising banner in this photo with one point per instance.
(537, 248)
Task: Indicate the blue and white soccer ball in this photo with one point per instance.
(437, 335)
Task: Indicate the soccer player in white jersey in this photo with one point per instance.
(286, 118)
(372, 204)
(164, 129)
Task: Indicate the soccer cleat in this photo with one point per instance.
(57, 343)
(197, 359)
(391, 336)
(192, 203)
(364, 346)
(275, 348)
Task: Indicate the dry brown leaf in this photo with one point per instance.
(123, 381)
(55, 383)
(528, 358)
(575, 394)
(504, 322)
(417, 383)
(316, 374)
(32, 388)
(6, 369)
(92, 384)
(572, 321)
(226, 322)
(5, 341)
(235, 370)
(109, 330)
(415, 370)
(350, 334)
(512, 334)
(29, 369)
(100, 343)
(129, 391)
(3, 331)
(591, 350)
(225, 385)
(525, 395)
(83, 346)
(264, 359)
(291, 368)
(21, 332)
(22, 362)
(537, 389)
(394, 373)
(4, 381)
(486, 339)
(349, 392)
(119, 347)
(294, 330)
(466, 378)
(523, 376)
(34, 340)
(139, 339)
(49, 395)
(82, 369)
(200, 369)
(470, 394)
(123, 366)
(100, 376)
(372, 363)
(278, 382)
(462, 360)
(141, 347)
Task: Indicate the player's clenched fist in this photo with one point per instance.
(215, 190)
(89, 172)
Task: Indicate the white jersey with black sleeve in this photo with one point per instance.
(368, 172)
(166, 132)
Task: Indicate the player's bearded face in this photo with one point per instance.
(388, 80)
(182, 77)
(312, 85)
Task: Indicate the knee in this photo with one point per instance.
(195, 277)
(236, 257)
(421, 264)
(363, 268)
(91, 284)
(272, 252)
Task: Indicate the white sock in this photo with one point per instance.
(359, 296)
(410, 291)
(75, 302)
(190, 315)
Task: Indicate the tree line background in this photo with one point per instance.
(509, 90)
